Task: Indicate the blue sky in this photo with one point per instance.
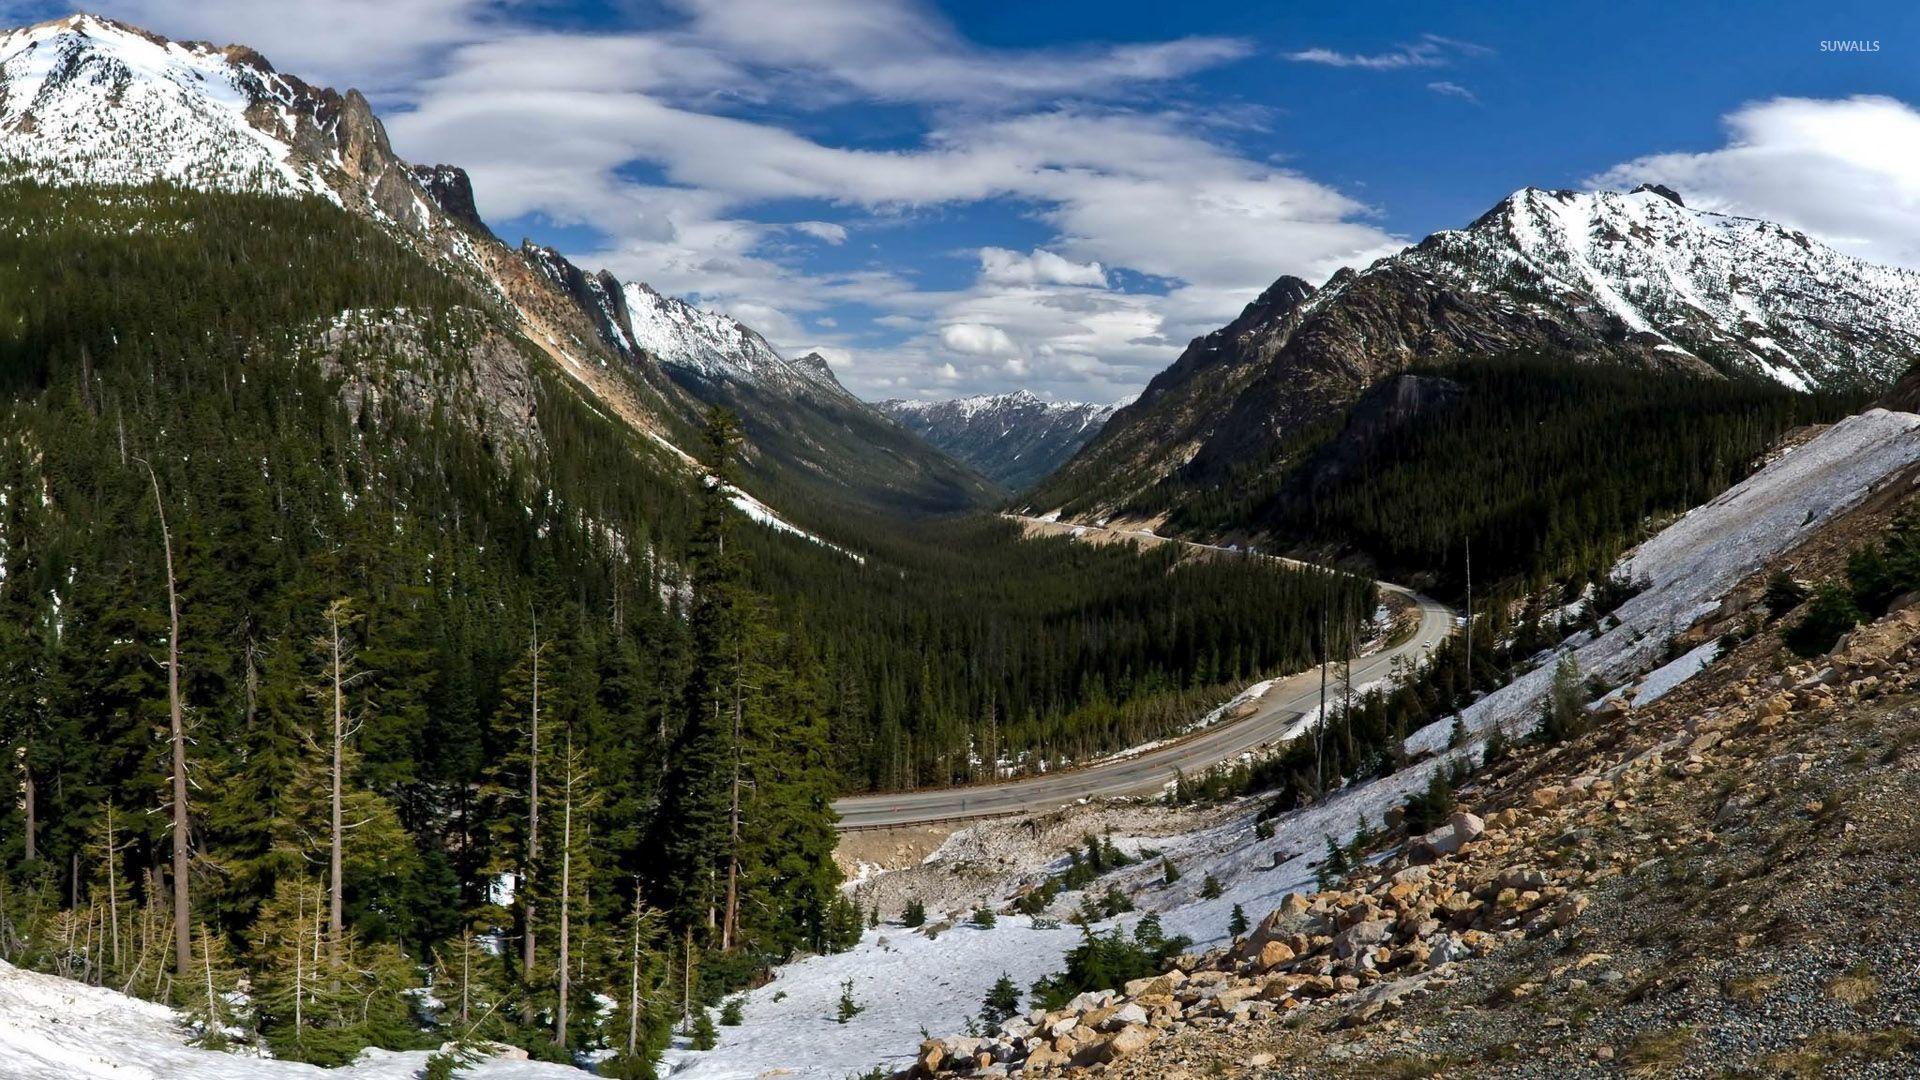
(961, 198)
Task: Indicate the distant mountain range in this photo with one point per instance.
(1633, 278)
(1015, 440)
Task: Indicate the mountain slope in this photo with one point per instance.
(1014, 439)
(1634, 278)
(86, 100)
(826, 450)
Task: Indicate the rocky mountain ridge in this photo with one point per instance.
(1634, 278)
(1013, 439)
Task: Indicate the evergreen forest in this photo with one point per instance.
(320, 672)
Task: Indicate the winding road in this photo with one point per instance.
(1285, 702)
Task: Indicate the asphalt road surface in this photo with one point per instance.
(1285, 702)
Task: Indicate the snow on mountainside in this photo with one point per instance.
(89, 100)
(712, 345)
(1013, 439)
(1743, 294)
(196, 114)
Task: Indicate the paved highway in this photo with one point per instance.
(1285, 702)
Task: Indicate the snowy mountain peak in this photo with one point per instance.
(815, 367)
(1743, 295)
(1014, 439)
(92, 100)
(714, 346)
(86, 99)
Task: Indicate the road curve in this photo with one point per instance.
(1286, 701)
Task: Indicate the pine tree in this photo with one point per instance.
(1237, 922)
(1002, 1002)
(205, 997)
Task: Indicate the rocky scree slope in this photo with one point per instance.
(1632, 277)
(1015, 439)
(1695, 887)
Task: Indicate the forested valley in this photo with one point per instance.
(322, 672)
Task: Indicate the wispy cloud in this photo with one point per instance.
(1431, 51)
(690, 142)
(1453, 90)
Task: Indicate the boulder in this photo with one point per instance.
(1092, 999)
(1153, 985)
(1360, 936)
(1046, 1057)
(1273, 954)
(1569, 909)
(1467, 828)
(1129, 1040)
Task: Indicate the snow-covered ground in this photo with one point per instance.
(54, 1027)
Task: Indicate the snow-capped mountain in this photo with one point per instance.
(88, 100)
(1014, 439)
(1627, 277)
(712, 345)
(1742, 294)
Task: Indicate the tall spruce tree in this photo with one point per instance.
(693, 842)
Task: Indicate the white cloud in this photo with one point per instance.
(1430, 51)
(1038, 267)
(1846, 171)
(976, 339)
(1453, 89)
(824, 231)
(899, 50)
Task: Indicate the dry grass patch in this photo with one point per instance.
(1658, 1053)
(1856, 987)
(1816, 1057)
(1748, 989)
(1415, 1066)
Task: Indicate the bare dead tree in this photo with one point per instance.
(339, 616)
(182, 928)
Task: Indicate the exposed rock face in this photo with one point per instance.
(1633, 278)
(1013, 439)
(451, 190)
(598, 296)
(386, 365)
